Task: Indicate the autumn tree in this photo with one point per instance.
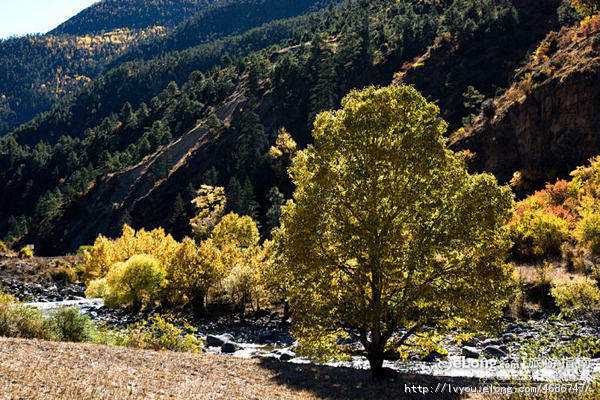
(283, 152)
(210, 204)
(388, 230)
(586, 8)
(242, 259)
(193, 271)
(136, 282)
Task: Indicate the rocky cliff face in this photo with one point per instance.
(547, 123)
(485, 59)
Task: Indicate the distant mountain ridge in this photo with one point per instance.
(221, 18)
(107, 15)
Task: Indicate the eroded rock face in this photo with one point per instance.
(547, 123)
(553, 130)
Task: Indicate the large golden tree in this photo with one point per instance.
(387, 231)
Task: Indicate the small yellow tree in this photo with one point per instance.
(242, 259)
(283, 152)
(137, 282)
(210, 203)
(193, 271)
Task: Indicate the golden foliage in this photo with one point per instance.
(105, 253)
(193, 271)
(566, 213)
(283, 152)
(234, 230)
(210, 203)
(388, 229)
(122, 271)
(136, 282)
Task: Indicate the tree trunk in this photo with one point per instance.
(375, 357)
(198, 305)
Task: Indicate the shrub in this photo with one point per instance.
(588, 232)
(136, 282)
(64, 273)
(25, 252)
(97, 289)
(160, 333)
(537, 234)
(586, 8)
(68, 325)
(580, 295)
(3, 247)
(17, 320)
(84, 249)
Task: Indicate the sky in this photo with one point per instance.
(20, 17)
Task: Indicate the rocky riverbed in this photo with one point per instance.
(266, 334)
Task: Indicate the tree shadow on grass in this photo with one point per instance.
(349, 383)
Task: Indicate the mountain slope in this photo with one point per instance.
(547, 123)
(108, 15)
(222, 18)
(140, 144)
(35, 71)
(479, 48)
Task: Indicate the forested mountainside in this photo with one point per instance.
(107, 15)
(482, 53)
(134, 144)
(35, 71)
(37, 64)
(222, 18)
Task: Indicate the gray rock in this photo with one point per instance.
(214, 341)
(286, 357)
(227, 337)
(495, 352)
(508, 337)
(490, 342)
(432, 356)
(471, 343)
(229, 347)
(470, 352)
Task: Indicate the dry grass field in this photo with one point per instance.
(32, 369)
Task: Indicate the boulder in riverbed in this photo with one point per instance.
(470, 352)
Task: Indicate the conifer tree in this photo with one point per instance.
(179, 218)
